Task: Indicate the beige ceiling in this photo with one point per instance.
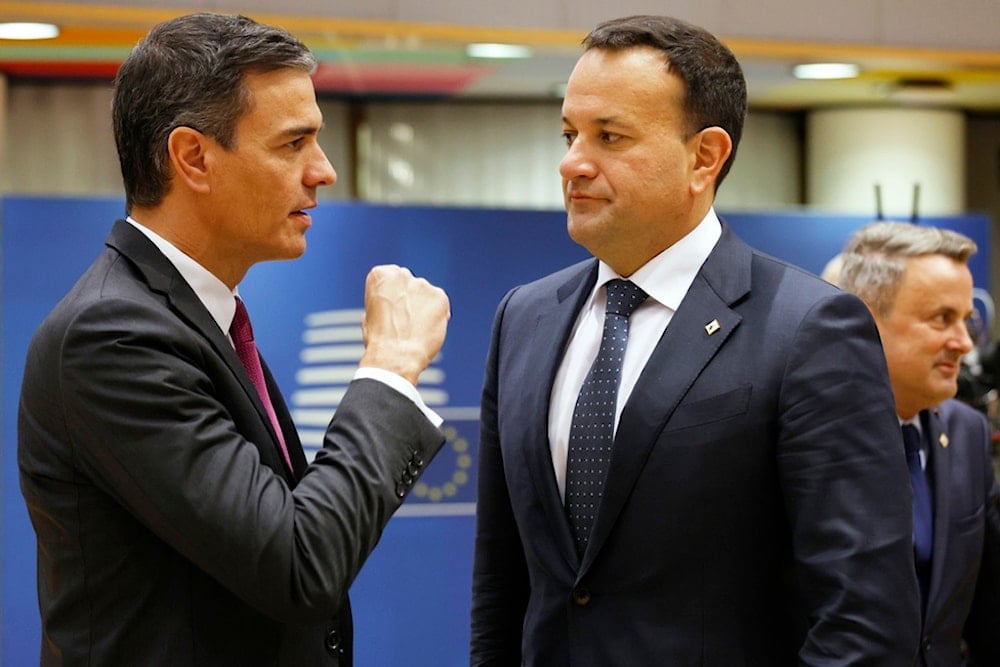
(373, 57)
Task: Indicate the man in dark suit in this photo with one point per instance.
(178, 522)
(917, 283)
(754, 508)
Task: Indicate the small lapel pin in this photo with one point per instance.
(712, 327)
(943, 440)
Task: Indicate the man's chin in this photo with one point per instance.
(291, 251)
(945, 391)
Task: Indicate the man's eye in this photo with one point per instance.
(568, 137)
(943, 320)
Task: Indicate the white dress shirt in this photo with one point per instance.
(666, 279)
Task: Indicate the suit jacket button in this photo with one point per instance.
(412, 469)
(401, 490)
(417, 459)
(332, 641)
(581, 596)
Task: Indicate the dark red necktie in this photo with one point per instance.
(246, 349)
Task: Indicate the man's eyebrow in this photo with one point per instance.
(603, 122)
(300, 130)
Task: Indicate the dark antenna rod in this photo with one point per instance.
(916, 199)
(878, 202)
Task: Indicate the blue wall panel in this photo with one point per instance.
(411, 600)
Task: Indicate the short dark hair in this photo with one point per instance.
(190, 71)
(716, 90)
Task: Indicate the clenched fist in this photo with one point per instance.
(405, 321)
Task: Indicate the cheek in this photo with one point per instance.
(665, 173)
(637, 183)
(915, 353)
(895, 356)
(900, 345)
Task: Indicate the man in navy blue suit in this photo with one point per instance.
(743, 499)
(919, 288)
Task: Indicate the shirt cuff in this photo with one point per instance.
(400, 384)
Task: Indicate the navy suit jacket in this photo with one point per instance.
(169, 531)
(964, 597)
(757, 509)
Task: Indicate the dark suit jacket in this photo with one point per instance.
(168, 531)
(964, 595)
(757, 509)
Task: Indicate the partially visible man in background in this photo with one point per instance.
(918, 286)
(177, 520)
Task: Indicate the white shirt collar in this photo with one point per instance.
(667, 277)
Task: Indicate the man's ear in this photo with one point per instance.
(188, 149)
(711, 148)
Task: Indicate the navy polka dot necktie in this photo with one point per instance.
(923, 513)
(592, 430)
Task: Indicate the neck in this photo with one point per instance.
(185, 231)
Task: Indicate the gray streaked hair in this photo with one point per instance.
(874, 259)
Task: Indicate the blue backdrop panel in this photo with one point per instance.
(412, 598)
(810, 240)
(47, 244)
(411, 601)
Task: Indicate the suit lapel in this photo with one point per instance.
(163, 278)
(546, 346)
(288, 430)
(700, 327)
